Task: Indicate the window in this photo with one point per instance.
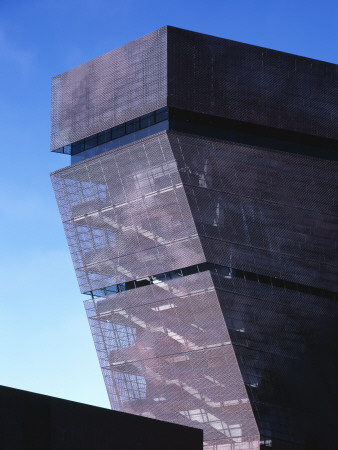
(130, 386)
(117, 335)
(94, 238)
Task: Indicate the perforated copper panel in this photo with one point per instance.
(269, 212)
(173, 200)
(111, 89)
(273, 213)
(165, 352)
(126, 214)
(252, 84)
(217, 352)
(199, 73)
(285, 343)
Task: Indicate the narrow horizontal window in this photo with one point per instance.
(223, 271)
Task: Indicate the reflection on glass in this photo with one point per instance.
(117, 335)
(200, 415)
(95, 238)
(79, 192)
(130, 387)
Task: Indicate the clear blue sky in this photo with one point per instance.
(45, 341)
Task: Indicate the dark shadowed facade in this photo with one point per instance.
(30, 421)
(200, 210)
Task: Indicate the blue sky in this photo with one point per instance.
(45, 341)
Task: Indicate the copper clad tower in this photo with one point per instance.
(200, 210)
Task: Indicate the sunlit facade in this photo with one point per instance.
(200, 214)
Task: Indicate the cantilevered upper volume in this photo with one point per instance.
(109, 90)
(198, 73)
(200, 212)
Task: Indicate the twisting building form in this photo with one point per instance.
(200, 212)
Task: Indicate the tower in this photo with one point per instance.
(200, 212)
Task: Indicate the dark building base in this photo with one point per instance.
(34, 421)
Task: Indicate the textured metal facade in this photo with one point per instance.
(270, 213)
(111, 89)
(165, 353)
(199, 73)
(252, 84)
(285, 344)
(279, 219)
(247, 360)
(164, 349)
(126, 215)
